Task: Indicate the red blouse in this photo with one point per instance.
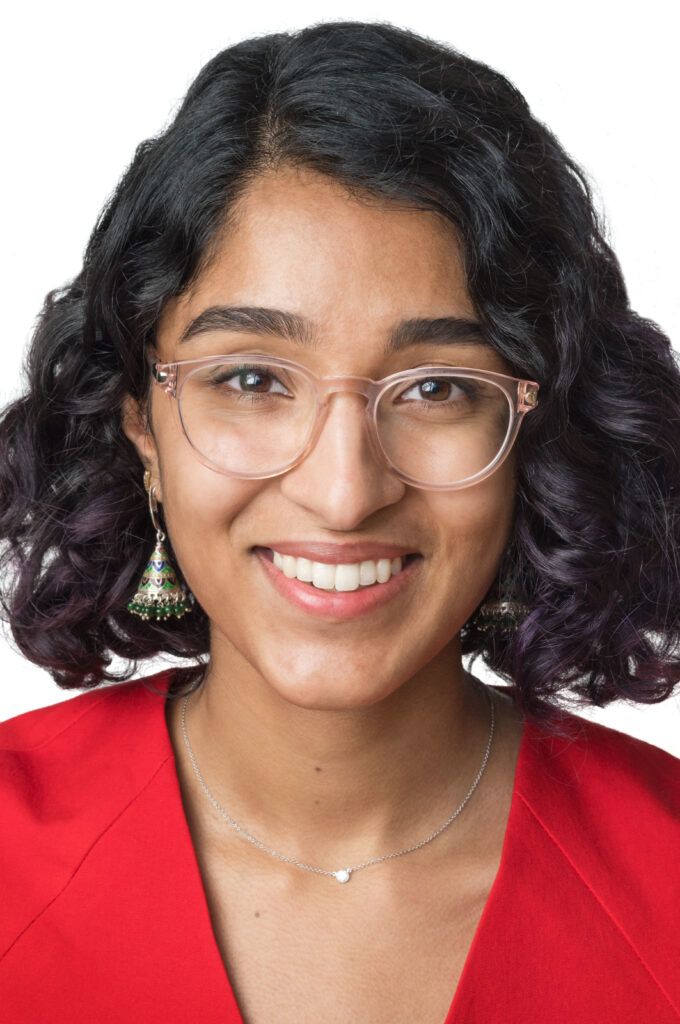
(103, 916)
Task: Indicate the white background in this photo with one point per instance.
(83, 85)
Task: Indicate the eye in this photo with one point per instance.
(439, 390)
(253, 380)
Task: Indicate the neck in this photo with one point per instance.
(319, 784)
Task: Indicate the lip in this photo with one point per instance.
(338, 554)
(339, 606)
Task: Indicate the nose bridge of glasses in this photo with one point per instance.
(327, 387)
(346, 385)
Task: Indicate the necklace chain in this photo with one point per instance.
(342, 875)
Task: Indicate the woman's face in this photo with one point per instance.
(354, 271)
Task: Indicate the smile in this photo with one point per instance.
(340, 578)
(334, 590)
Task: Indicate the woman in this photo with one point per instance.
(350, 380)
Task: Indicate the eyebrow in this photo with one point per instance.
(446, 330)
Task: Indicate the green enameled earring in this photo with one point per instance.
(159, 594)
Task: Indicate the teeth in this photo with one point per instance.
(347, 577)
(342, 578)
(289, 566)
(304, 570)
(367, 574)
(383, 570)
(323, 576)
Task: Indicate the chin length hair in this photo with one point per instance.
(594, 551)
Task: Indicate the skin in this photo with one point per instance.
(335, 741)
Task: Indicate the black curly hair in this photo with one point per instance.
(594, 550)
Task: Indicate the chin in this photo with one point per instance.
(328, 696)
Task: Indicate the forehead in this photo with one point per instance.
(352, 265)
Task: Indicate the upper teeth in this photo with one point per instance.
(337, 577)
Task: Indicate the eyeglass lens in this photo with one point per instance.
(254, 418)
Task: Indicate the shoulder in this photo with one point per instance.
(590, 762)
(79, 743)
(79, 715)
(68, 751)
(603, 808)
(66, 772)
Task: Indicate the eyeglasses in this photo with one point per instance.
(435, 427)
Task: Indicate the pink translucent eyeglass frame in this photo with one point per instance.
(522, 397)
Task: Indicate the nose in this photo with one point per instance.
(342, 480)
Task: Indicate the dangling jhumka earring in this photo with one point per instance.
(159, 594)
(501, 613)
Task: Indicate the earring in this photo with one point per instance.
(159, 594)
(501, 614)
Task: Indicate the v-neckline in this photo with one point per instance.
(498, 887)
(485, 922)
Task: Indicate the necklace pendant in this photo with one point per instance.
(342, 875)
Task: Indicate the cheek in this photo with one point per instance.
(200, 517)
(474, 527)
(200, 507)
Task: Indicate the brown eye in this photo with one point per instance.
(249, 380)
(438, 390)
(435, 389)
(252, 380)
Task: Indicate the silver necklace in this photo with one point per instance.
(343, 874)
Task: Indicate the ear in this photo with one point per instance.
(137, 428)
